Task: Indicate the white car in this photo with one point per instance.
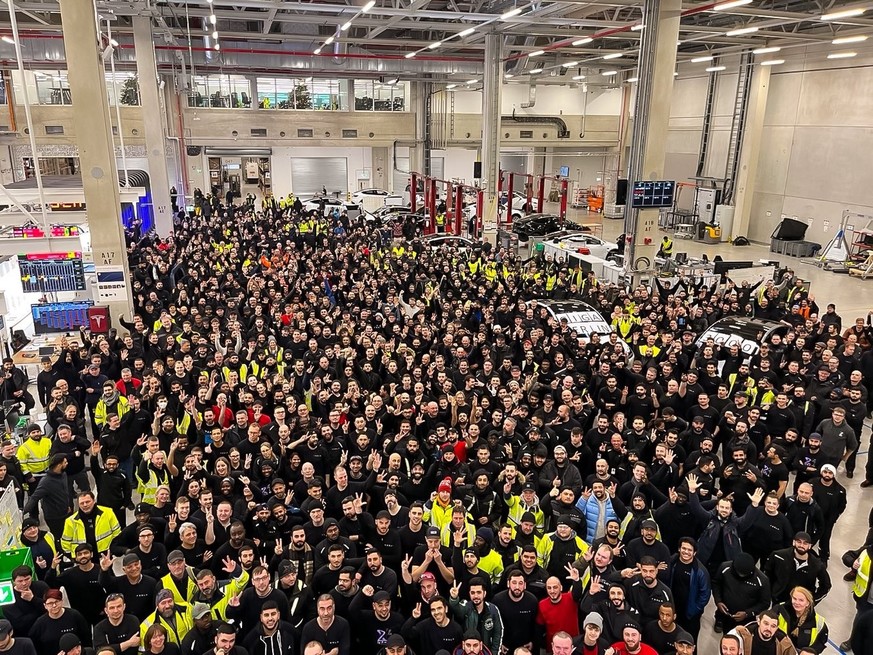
(386, 197)
(520, 207)
(329, 205)
(580, 241)
(436, 241)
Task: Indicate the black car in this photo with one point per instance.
(538, 225)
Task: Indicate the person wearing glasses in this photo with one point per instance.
(119, 630)
(58, 620)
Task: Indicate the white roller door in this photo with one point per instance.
(310, 174)
(400, 177)
(437, 167)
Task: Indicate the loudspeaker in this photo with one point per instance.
(790, 230)
(477, 170)
(621, 193)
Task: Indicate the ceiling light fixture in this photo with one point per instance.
(511, 13)
(434, 45)
(345, 26)
(772, 62)
(842, 55)
(578, 77)
(700, 60)
(452, 86)
(741, 30)
(8, 39)
(317, 51)
(214, 35)
(367, 7)
(473, 82)
(614, 55)
(410, 55)
(609, 73)
(730, 4)
(715, 69)
(844, 13)
(509, 76)
(850, 39)
(328, 40)
(633, 79)
(212, 18)
(536, 70)
(466, 32)
(570, 64)
(217, 46)
(764, 51)
(537, 53)
(638, 27)
(582, 41)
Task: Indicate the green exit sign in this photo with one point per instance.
(7, 597)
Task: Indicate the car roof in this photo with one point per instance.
(748, 328)
(566, 306)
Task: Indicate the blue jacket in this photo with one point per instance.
(699, 590)
(591, 511)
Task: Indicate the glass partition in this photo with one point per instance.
(124, 87)
(371, 95)
(306, 93)
(52, 87)
(222, 91)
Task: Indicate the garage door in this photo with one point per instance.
(437, 167)
(310, 174)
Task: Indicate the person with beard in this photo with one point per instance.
(272, 635)
(535, 576)
(374, 626)
(612, 538)
(346, 589)
(558, 611)
(764, 529)
(631, 524)
(301, 605)
(797, 566)
(82, 582)
(615, 610)
(763, 636)
(647, 593)
(201, 636)
(631, 642)
(740, 592)
(597, 562)
(831, 497)
(483, 505)
(520, 607)
(647, 545)
(740, 478)
(558, 550)
(720, 539)
(675, 519)
(254, 597)
(808, 460)
(690, 583)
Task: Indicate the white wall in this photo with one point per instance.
(357, 159)
(552, 100)
(458, 163)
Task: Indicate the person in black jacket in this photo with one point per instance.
(797, 566)
(28, 605)
(271, 636)
(119, 630)
(113, 486)
(74, 448)
(138, 589)
(58, 620)
(740, 592)
(53, 492)
(374, 626)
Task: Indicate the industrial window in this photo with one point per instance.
(305, 133)
(525, 134)
(259, 131)
(222, 91)
(302, 93)
(381, 96)
(123, 88)
(309, 175)
(54, 129)
(350, 134)
(52, 87)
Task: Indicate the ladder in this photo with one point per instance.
(706, 133)
(738, 124)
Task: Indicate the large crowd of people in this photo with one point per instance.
(317, 435)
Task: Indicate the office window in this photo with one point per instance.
(221, 91)
(124, 87)
(302, 93)
(52, 87)
(371, 95)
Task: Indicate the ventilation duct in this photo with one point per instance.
(238, 152)
(531, 96)
(563, 132)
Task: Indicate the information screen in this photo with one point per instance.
(653, 194)
(51, 272)
(60, 316)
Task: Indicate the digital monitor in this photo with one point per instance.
(60, 316)
(51, 272)
(565, 171)
(653, 194)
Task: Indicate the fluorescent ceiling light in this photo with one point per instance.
(537, 53)
(452, 86)
(466, 32)
(845, 13)
(8, 39)
(217, 46)
(614, 55)
(842, 55)
(473, 82)
(583, 41)
(345, 26)
(609, 73)
(578, 77)
(410, 55)
(633, 79)
(511, 13)
(742, 30)
(715, 69)
(773, 62)
(570, 64)
(730, 4)
(393, 81)
(675, 73)
(840, 41)
(700, 60)
(638, 27)
(367, 7)
(317, 51)
(112, 42)
(764, 51)
(434, 45)
(328, 40)
(509, 76)
(536, 70)
(214, 34)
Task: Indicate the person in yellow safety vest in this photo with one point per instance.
(624, 325)
(798, 619)
(438, 511)
(491, 271)
(218, 594)
(33, 455)
(111, 402)
(105, 525)
(458, 524)
(559, 549)
(155, 469)
(527, 501)
(474, 265)
(397, 250)
(180, 580)
(175, 618)
(666, 249)
(440, 221)
(862, 624)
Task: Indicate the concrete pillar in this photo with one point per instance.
(750, 151)
(651, 117)
(152, 114)
(418, 155)
(96, 152)
(492, 88)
